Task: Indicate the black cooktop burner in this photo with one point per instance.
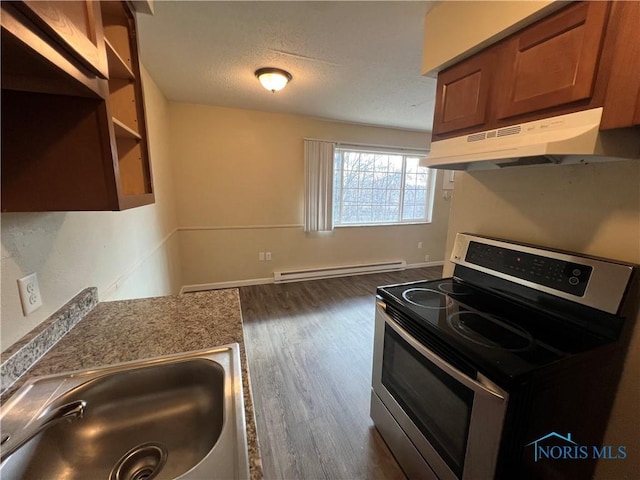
(490, 331)
(496, 334)
(426, 298)
(454, 289)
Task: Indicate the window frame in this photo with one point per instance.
(405, 154)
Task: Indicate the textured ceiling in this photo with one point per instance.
(350, 61)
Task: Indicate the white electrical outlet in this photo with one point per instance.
(419, 244)
(268, 256)
(29, 293)
(426, 258)
(261, 256)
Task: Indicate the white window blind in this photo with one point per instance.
(318, 171)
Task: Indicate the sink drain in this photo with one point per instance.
(143, 462)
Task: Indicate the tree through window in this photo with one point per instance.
(372, 187)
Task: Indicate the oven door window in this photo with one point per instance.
(438, 405)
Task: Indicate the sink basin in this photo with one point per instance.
(178, 416)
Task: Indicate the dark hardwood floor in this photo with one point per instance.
(310, 347)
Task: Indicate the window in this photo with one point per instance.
(377, 187)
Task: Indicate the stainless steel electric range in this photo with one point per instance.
(520, 347)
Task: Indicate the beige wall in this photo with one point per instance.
(239, 178)
(127, 254)
(454, 30)
(593, 209)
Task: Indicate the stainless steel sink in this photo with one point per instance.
(179, 416)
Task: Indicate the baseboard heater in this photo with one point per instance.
(339, 271)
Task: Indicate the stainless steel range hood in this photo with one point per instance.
(565, 139)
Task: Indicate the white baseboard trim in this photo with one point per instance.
(426, 264)
(199, 287)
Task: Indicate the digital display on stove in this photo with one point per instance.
(567, 277)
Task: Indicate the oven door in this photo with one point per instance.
(454, 421)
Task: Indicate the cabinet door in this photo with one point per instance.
(462, 94)
(553, 62)
(75, 25)
(620, 65)
(33, 62)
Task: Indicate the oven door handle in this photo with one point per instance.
(439, 362)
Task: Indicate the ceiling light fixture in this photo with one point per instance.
(273, 79)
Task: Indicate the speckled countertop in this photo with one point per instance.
(129, 330)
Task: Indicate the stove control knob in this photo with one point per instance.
(576, 272)
(574, 280)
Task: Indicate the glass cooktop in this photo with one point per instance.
(492, 333)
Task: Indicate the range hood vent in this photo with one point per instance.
(565, 139)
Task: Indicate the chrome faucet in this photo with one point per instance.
(69, 411)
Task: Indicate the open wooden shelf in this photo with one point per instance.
(123, 131)
(125, 104)
(118, 68)
(72, 141)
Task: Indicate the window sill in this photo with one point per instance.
(394, 224)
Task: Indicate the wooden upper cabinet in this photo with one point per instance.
(584, 56)
(552, 63)
(462, 94)
(71, 140)
(620, 65)
(34, 61)
(75, 25)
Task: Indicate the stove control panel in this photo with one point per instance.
(591, 281)
(569, 277)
